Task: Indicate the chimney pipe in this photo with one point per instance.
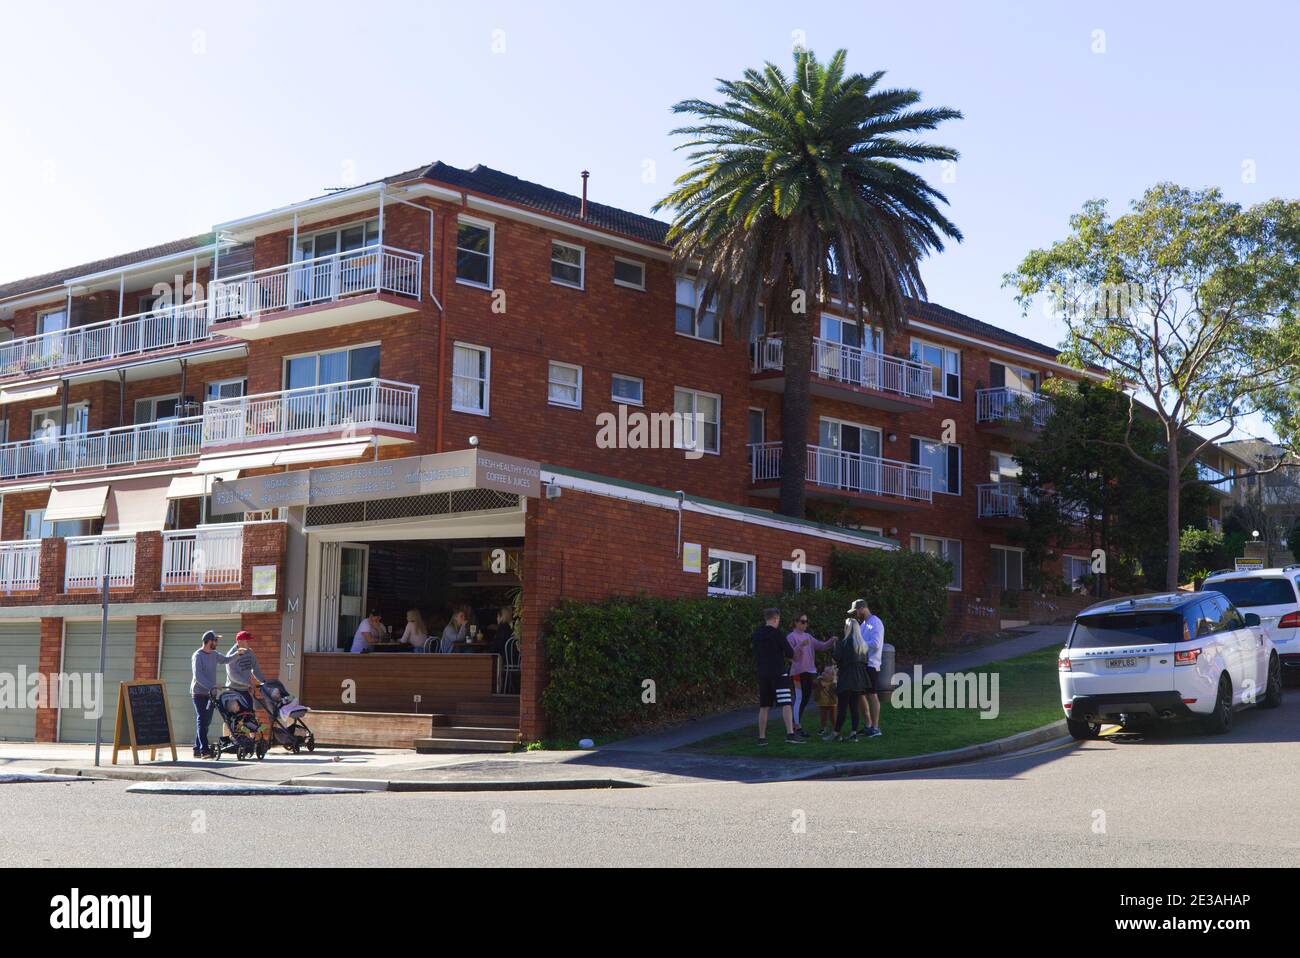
(585, 174)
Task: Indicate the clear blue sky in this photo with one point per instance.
(128, 125)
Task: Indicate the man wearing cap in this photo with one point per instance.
(203, 672)
(873, 634)
(243, 667)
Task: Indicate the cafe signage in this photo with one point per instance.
(384, 479)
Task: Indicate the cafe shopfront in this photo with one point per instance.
(418, 538)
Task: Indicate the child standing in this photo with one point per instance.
(825, 696)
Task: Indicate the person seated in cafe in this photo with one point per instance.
(417, 633)
(504, 630)
(370, 631)
(455, 631)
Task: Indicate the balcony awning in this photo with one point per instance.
(322, 453)
(191, 487)
(28, 391)
(262, 459)
(137, 505)
(81, 502)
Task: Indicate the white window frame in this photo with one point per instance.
(1001, 477)
(491, 253)
(696, 316)
(630, 262)
(679, 440)
(552, 381)
(53, 414)
(724, 556)
(153, 405)
(83, 526)
(486, 380)
(943, 370)
(582, 265)
(814, 570)
(219, 383)
(318, 353)
(1067, 557)
(945, 542)
(44, 313)
(961, 465)
(622, 399)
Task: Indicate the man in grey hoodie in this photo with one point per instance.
(243, 667)
(203, 669)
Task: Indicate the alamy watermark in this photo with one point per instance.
(66, 690)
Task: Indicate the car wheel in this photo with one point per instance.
(1273, 690)
(1082, 730)
(1219, 722)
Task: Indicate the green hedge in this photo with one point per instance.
(696, 651)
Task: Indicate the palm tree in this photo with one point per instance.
(796, 193)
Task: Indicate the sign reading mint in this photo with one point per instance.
(385, 479)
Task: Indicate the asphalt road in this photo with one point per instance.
(1174, 799)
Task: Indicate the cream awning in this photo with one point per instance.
(262, 459)
(252, 460)
(28, 391)
(321, 453)
(137, 505)
(80, 502)
(191, 487)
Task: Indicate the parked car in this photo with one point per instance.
(1166, 656)
(1274, 596)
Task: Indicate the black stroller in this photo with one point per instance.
(287, 726)
(246, 737)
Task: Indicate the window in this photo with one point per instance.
(344, 239)
(225, 389)
(697, 423)
(54, 321)
(564, 385)
(470, 378)
(1008, 573)
(1013, 377)
(1074, 569)
(629, 273)
(947, 367)
(46, 421)
(859, 527)
(474, 242)
(944, 461)
(1246, 593)
(946, 549)
(627, 389)
(35, 526)
(567, 264)
(847, 332)
(1003, 467)
(691, 320)
(336, 366)
(808, 580)
(155, 408)
(730, 573)
(757, 426)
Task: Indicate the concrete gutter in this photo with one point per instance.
(236, 788)
(505, 785)
(15, 778)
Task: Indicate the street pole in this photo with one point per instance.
(103, 648)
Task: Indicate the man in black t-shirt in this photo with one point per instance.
(772, 655)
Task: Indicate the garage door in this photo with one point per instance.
(20, 646)
(81, 655)
(180, 639)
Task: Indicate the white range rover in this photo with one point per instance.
(1164, 656)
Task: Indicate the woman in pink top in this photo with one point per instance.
(803, 667)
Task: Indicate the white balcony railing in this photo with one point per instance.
(999, 500)
(207, 556)
(311, 282)
(20, 566)
(1001, 404)
(110, 339)
(89, 556)
(849, 471)
(363, 403)
(853, 366)
(104, 449)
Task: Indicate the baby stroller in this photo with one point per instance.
(246, 736)
(287, 726)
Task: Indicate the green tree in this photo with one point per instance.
(1191, 302)
(797, 192)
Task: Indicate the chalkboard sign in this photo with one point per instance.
(143, 719)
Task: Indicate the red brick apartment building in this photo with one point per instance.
(388, 398)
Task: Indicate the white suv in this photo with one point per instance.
(1274, 596)
(1171, 655)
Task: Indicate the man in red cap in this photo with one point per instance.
(241, 669)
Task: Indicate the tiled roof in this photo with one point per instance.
(960, 322)
(45, 280)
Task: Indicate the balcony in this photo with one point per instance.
(999, 500)
(1010, 412)
(832, 474)
(89, 558)
(1219, 482)
(849, 373)
(320, 293)
(101, 342)
(162, 441)
(376, 406)
(207, 557)
(20, 566)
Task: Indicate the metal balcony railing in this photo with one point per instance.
(999, 500)
(89, 556)
(849, 471)
(312, 282)
(1001, 404)
(206, 556)
(852, 366)
(361, 404)
(20, 566)
(103, 449)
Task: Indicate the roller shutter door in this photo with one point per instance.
(20, 647)
(81, 655)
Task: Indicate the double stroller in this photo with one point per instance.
(287, 726)
(248, 735)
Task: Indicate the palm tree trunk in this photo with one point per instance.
(796, 405)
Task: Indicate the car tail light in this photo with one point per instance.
(1068, 705)
(1063, 663)
(1189, 701)
(1289, 621)
(1187, 657)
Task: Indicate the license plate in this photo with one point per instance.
(1121, 663)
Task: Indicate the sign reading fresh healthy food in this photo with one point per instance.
(143, 719)
(385, 479)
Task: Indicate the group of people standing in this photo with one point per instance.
(849, 688)
(242, 668)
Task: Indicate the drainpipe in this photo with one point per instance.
(439, 400)
(681, 504)
(583, 214)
